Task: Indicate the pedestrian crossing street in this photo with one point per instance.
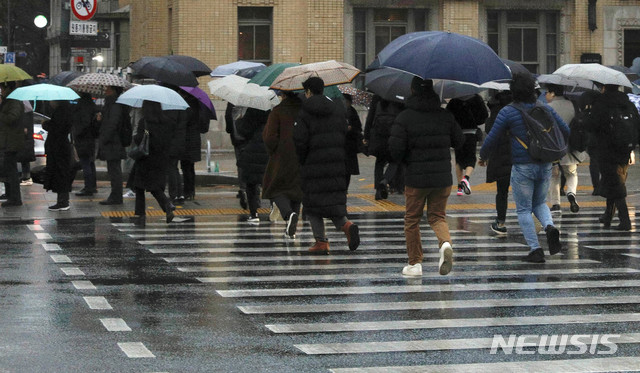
(357, 313)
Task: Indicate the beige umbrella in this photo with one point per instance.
(95, 83)
(332, 72)
(238, 91)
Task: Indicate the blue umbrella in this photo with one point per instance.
(43, 92)
(245, 69)
(168, 98)
(444, 55)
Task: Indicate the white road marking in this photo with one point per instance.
(83, 285)
(72, 271)
(35, 227)
(60, 259)
(115, 325)
(98, 303)
(51, 247)
(43, 236)
(180, 241)
(135, 350)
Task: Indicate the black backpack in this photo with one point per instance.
(546, 141)
(579, 137)
(623, 128)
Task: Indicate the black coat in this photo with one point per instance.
(353, 141)
(150, 173)
(319, 134)
(469, 113)
(27, 154)
(421, 138)
(82, 127)
(379, 128)
(499, 162)
(179, 119)
(253, 157)
(58, 174)
(110, 147)
(197, 123)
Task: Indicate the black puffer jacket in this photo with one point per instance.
(421, 138)
(319, 134)
(499, 164)
(82, 127)
(253, 157)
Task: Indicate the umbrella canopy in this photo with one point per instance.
(332, 72)
(632, 75)
(43, 92)
(245, 69)
(95, 83)
(358, 96)
(12, 73)
(444, 55)
(197, 67)
(565, 81)
(594, 71)
(203, 97)
(238, 91)
(165, 70)
(65, 77)
(515, 67)
(270, 73)
(500, 86)
(390, 84)
(168, 98)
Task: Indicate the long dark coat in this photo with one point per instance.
(197, 123)
(353, 141)
(499, 164)
(150, 173)
(253, 157)
(110, 147)
(282, 175)
(58, 174)
(27, 154)
(82, 127)
(319, 135)
(177, 148)
(11, 132)
(379, 128)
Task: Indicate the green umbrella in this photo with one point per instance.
(270, 73)
(12, 73)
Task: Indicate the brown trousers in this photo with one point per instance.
(436, 201)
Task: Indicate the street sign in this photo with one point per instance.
(3, 49)
(84, 9)
(83, 28)
(10, 58)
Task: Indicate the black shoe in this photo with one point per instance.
(555, 208)
(378, 195)
(243, 199)
(189, 197)
(178, 200)
(553, 239)
(84, 193)
(107, 202)
(169, 212)
(292, 223)
(384, 189)
(3, 197)
(499, 228)
(59, 207)
(572, 200)
(11, 203)
(535, 256)
(562, 192)
(622, 227)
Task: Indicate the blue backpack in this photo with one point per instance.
(546, 141)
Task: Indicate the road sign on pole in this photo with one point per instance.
(84, 9)
(10, 58)
(3, 49)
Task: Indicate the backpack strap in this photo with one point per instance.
(521, 110)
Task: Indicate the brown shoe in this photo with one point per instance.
(353, 235)
(320, 247)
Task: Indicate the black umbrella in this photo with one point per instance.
(165, 70)
(515, 67)
(65, 77)
(196, 66)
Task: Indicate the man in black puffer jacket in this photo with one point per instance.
(421, 138)
(319, 134)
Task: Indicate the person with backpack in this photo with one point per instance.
(83, 135)
(470, 112)
(568, 163)
(115, 130)
(614, 122)
(376, 136)
(422, 137)
(531, 169)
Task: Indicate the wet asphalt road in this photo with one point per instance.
(82, 292)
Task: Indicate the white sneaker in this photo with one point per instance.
(412, 270)
(28, 181)
(129, 194)
(446, 258)
(253, 219)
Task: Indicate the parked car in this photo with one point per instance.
(39, 136)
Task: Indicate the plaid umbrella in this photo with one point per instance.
(332, 72)
(95, 83)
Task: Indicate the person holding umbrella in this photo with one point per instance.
(11, 142)
(421, 137)
(83, 134)
(319, 134)
(58, 173)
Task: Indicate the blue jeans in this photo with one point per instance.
(530, 183)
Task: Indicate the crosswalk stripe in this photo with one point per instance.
(83, 285)
(438, 304)
(611, 247)
(60, 259)
(296, 257)
(633, 255)
(97, 303)
(115, 325)
(181, 241)
(433, 345)
(387, 275)
(362, 265)
(453, 323)
(135, 350)
(267, 228)
(72, 271)
(51, 247)
(397, 231)
(371, 249)
(431, 288)
(608, 364)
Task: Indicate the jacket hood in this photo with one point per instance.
(424, 103)
(319, 105)
(614, 99)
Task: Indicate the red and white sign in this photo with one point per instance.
(84, 9)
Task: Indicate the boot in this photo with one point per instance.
(353, 235)
(320, 247)
(623, 215)
(609, 211)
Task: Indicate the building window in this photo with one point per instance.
(254, 34)
(631, 46)
(527, 37)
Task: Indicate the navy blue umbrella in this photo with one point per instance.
(444, 55)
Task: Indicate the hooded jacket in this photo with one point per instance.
(319, 135)
(421, 138)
